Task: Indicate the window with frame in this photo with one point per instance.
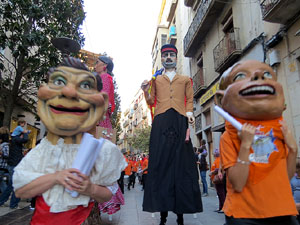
(164, 38)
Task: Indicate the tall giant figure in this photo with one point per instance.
(172, 183)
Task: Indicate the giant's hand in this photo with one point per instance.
(288, 137)
(191, 120)
(145, 86)
(85, 186)
(69, 178)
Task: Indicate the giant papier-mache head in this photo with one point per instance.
(71, 102)
(249, 90)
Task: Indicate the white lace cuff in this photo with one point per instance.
(113, 188)
(189, 113)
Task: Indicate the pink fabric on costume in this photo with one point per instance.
(108, 87)
(113, 205)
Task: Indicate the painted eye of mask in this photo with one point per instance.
(59, 81)
(239, 76)
(86, 85)
(268, 75)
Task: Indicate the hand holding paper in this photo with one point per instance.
(231, 119)
(86, 156)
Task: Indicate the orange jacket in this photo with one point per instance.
(145, 165)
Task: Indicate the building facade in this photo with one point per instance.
(136, 116)
(221, 33)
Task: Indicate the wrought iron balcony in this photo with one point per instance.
(198, 125)
(125, 124)
(205, 17)
(144, 115)
(227, 51)
(126, 112)
(198, 83)
(189, 3)
(280, 11)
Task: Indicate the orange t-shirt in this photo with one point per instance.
(128, 168)
(145, 165)
(267, 192)
(134, 166)
(214, 166)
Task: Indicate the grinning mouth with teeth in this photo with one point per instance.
(60, 108)
(258, 90)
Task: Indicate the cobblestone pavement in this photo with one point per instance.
(130, 214)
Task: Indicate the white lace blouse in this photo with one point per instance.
(47, 158)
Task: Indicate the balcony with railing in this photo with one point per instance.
(125, 124)
(280, 11)
(227, 50)
(189, 3)
(206, 15)
(144, 115)
(198, 125)
(198, 83)
(126, 112)
(130, 128)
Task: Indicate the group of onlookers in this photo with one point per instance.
(217, 175)
(11, 153)
(137, 167)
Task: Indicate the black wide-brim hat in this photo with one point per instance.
(168, 48)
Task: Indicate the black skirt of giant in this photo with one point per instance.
(172, 182)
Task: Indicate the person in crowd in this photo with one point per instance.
(128, 171)
(134, 168)
(145, 171)
(203, 167)
(172, 180)
(196, 152)
(261, 159)
(140, 172)
(121, 179)
(15, 156)
(70, 104)
(216, 176)
(4, 153)
(20, 128)
(295, 183)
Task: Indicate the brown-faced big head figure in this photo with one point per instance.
(249, 90)
(71, 102)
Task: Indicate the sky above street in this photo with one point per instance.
(125, 30)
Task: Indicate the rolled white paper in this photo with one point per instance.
(232, 120)
(229, 118)
(86, 156)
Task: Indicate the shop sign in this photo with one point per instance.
(210, 93)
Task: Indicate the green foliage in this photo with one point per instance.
(116, 115)
(27, 28)
(140, 139)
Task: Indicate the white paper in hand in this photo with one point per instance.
(87, 154)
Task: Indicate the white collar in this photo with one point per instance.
(171, 74)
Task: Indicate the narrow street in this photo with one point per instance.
(130, 214)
